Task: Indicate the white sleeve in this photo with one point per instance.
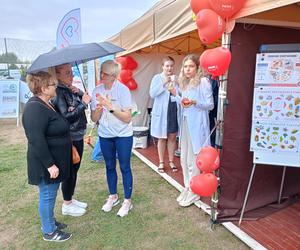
(156, 86)
(208, 101)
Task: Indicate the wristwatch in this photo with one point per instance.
(111, 111)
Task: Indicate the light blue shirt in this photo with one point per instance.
(160, 94)
(197, 115)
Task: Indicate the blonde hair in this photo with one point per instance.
(110, 67)
(52, 72)
(185, 82)
(38, 80)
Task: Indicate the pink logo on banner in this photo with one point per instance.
(69, 29)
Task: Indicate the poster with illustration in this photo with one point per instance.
(275, 131)
(277, 69)
(275, 137)
(276, 104)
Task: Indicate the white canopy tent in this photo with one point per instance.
(168, 28)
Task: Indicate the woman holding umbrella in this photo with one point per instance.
(71, 103)
(48, 135)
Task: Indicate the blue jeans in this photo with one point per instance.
(122, 146)
(48, 193)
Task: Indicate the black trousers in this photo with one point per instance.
(68, 186)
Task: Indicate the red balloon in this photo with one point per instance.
(202, 60)
(226, 8)
(131, 63)
(127, 62)
(215, 61)
(125, 75)
(122, 60)
(197, 5)
(204, 184)
(216, 163)
(210, 26)
(132, 85)
(206, 160)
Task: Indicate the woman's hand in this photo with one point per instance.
(53, 171)
(166, 80)
(105, 102)
(172, 90)
(71, 109)
(186, 103)
(86, 98)
(88, 139)
(74, 89)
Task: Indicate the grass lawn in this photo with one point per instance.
(156, 221)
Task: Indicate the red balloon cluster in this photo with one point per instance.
(224, 8)
(210, 15)
(207, 161)
(215, 61)
(128, 64)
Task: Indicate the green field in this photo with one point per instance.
(156, 221)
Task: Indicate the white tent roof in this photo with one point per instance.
(168, 27)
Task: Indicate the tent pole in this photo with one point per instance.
(222, 98)
(222, 102)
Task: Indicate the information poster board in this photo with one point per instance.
(25, 93)
(275, 132)
(9, 99)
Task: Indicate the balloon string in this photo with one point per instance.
(214, 200)
(211, 132)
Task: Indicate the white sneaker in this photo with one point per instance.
(182, 195)
(79, 203)
(72, 210)
(189, 199)
(111, 201)
(177, 152)
(126, 207)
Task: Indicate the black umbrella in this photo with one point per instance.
(73, 54)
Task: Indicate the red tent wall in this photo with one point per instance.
(236, 157)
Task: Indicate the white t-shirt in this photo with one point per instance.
(109, 125)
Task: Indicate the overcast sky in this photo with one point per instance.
(39, 19)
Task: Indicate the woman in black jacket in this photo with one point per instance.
(49, 150)
(71, 104)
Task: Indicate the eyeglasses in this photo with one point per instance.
(105, 74)
(52, 84)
